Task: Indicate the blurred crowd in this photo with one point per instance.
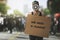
(9, 23)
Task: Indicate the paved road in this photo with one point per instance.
(7, 36)
(22, 36)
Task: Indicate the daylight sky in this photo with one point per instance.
(19, 4)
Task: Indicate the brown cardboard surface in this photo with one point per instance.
(37, 26)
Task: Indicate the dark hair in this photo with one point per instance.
(35, 2)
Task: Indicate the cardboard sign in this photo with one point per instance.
(37, 26)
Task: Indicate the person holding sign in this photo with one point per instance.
(35, 6)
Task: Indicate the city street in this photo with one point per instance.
(22, 36)
(38, 17)
(8, 36)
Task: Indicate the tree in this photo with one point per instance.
(7, 7)
(53, 6)
(18, 13)
(46, 11)
(3, 8)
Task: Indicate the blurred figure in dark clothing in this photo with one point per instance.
(18, 23)
(10, 24)
(57, 16)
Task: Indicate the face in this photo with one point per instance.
(35, 7)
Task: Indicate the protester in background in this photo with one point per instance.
(57, 16)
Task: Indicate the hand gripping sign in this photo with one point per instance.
(37, 25)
